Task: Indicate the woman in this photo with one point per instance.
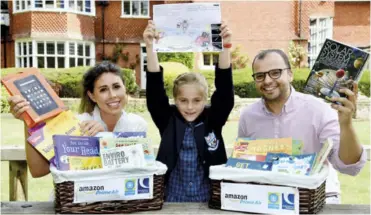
(101, 109)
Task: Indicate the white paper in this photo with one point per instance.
(187, 27)
(259, 198)
(125, 156)
(124, 188)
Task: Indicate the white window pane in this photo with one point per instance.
(126, 7)
(144, 8)
(60, 4)
(60, 62)
(40, 62)
(23, 5)
(25, 64)
(40, 48)
(88, 6)
(80, 62)
(19, 62)
(50, 49)
(49, 4)
(24, 49)
(28, 4)
(30, 61)
(80, 5)
(30, 48)
(60, 48)
(71, 4)
(72, 62)
(17, 5)
(38, 3)
(80, 50)
(135, 8)
(87, 50)
(19, 52)
(50, 62)
(207, 59)
(72, 49)
(87, 62)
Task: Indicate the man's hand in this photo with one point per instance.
(348, 107)
(150, 33)
(90, 128)
(18, 105)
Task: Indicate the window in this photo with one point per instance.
(319, 30)
(135, 8)
(54, 54)
(143, 66)
(23, 53)
(75, 6)
(210, 59)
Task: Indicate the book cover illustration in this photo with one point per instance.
(108, 143)
(125, 156)
(322, 155)
(258, 149)
(42, 139)
(248, 164)
(337, 66)
(292, 164)
(84, 152)
(32, 86)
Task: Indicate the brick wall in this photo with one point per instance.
(352, 23)
(117, 30)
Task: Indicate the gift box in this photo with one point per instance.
(266, 192)
(100, 191)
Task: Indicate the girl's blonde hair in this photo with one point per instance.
(190, 78)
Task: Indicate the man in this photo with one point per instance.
(283, 112)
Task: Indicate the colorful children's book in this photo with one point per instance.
(338, 65)
(322, 155)
(127, 134)
(109, 143)
(42, 139)
(248, 164)
(125, 156)
(32, 86)
(246, 149)
(292, 164)
(76, 152)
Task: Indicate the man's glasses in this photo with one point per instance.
(273, 74)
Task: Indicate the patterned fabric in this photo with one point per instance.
(187, 182)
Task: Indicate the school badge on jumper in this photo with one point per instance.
(212, 142)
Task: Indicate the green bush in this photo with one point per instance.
(184, 58)
(4, 100)
(70, 79)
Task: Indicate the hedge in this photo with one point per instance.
(69, 80)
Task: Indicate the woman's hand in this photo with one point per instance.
(90, 128)
(18, 105)
(150, 33)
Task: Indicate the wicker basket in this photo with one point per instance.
(64, 194)
(311, 201)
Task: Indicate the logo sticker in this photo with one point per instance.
(273, 200)
(130, 187)
(212, 142)
(288, 201)
(143, 185)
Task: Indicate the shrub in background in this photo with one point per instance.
(183, 58)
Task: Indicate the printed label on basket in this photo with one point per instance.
(125, 188)
(259, 198)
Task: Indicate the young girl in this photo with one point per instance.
(191, 132)
(101, 109)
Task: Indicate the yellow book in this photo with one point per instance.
(84, 163)
(262, 146)
(42, 139)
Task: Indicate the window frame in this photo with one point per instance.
(131, 8)
(212, 55)
(318, 35)
(30, 5)
(35, 55)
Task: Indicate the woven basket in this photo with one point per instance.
(64, 194)
(311, 201)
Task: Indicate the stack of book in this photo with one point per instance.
(277, 155)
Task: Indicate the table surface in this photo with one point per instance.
(168, 208)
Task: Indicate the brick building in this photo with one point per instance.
(68, 33)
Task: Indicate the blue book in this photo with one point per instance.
(248, 164)
(292, 164)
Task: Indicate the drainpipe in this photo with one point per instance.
(5, 43)
(103, 4)
(300, 3)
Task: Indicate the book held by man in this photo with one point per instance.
(337, 66)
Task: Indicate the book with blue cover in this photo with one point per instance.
(126, 134)
(292, 164)
(76, 152)
(248, 164)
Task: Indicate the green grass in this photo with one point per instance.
(355, 190)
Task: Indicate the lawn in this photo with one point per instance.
(355, 190)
